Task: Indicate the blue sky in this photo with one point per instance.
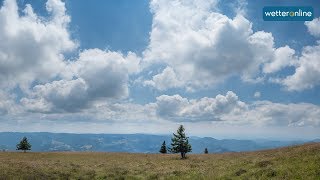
(147, 66)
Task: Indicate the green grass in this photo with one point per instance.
(296, 162)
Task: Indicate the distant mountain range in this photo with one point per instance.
(133, 143)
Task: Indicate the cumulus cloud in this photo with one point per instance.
(225, 109)
(307, 70)
(230, 110)
(95, 75)
(205, 47)
(205, 109)
(34, 47)
(32, 58)
(277, 114)
(314, 27)
(283, 57)
(307, 67)
(167, 79)
(170, 106)
(57, 96)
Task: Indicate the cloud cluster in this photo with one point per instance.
(278, 114)
(95, 75)
(283, 57)
(203, 47)
(197, 45)
(225, 110)
(229, 109)
(307, 70)
(314, 27)
(166, 79)
(32, 48)
(32, 58)
(205, 109)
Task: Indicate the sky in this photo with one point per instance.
(123, 66)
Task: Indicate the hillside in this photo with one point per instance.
(294, 162)
(133, 143)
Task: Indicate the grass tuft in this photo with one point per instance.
(240, 172)
(262, 164)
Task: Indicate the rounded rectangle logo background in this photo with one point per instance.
(287, 13)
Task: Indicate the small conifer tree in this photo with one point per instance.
(163, 148)
(206, 151)
(24, 145)
(180, 143)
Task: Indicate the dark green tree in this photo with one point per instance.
(180, 143)
(163, 148)
(206, 151)
(24, 145)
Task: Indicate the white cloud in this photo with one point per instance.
(205, 109)
(283, 57)
(307, 70)
(8, 104)
(257, 94)
(95, 75)
(167, 79)
(105, 72)
(170, 106)
(33, 46)
(58, 96)
(230, 110)
(205, 47)
(33, 52)
(306, 65)
(314, 27)
(276, 114)
(226, 110)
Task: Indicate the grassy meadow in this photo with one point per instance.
(295, 162)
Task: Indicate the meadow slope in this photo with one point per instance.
(295, 162)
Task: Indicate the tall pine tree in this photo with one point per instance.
(24, 145)
(163, 148)
(180, 143)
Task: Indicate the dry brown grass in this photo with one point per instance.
(296, 162)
